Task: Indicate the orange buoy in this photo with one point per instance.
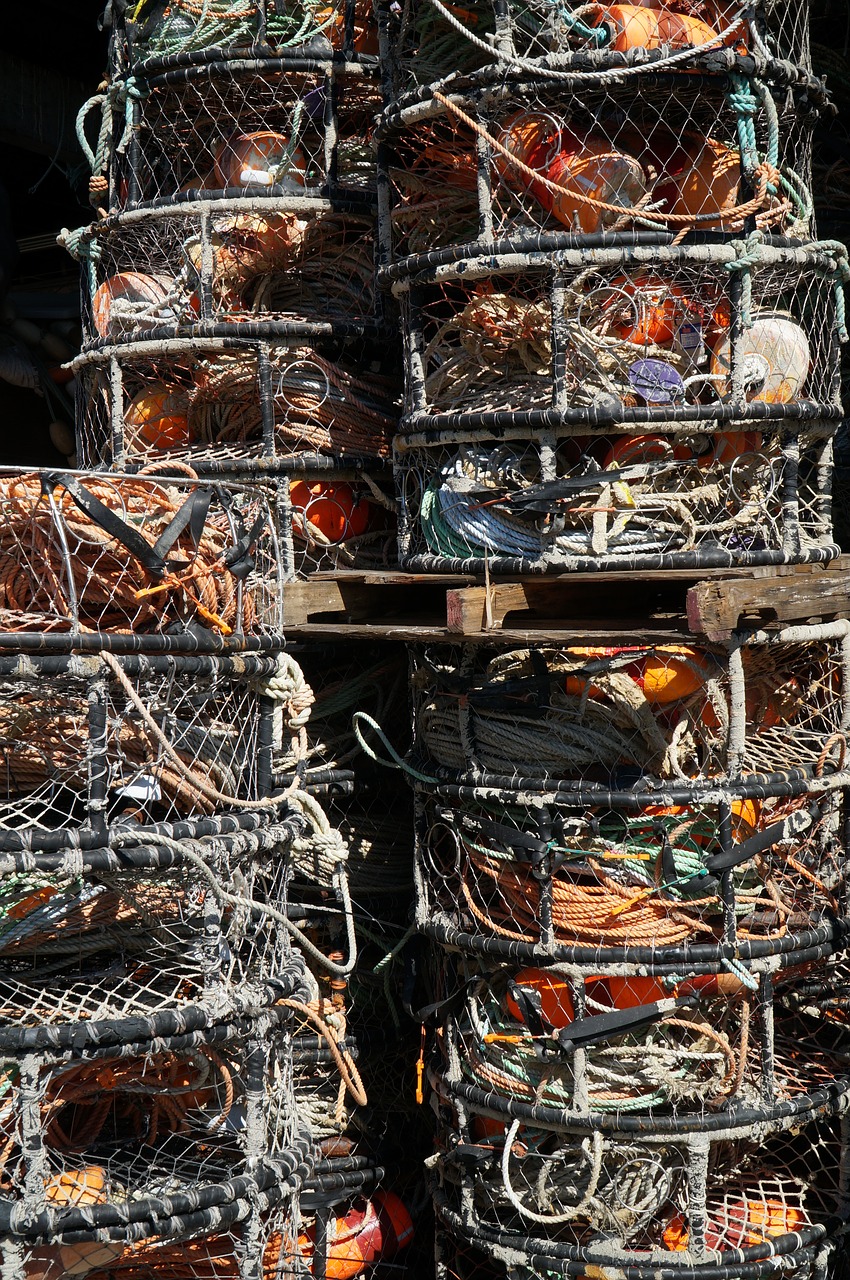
(592, 168)
(555, 999)
(746, 816)
(742, 1222)
(156, 418)
(128, 286)
(373, 1231)
(74, 1187)
(703, 178)
(332, 508)
(583, 164)
(637, 26)
(667, 674)
(617, 992)
(625, 451)
(261, 159)
(655, 309)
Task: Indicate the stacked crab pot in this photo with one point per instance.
(621, 345)
(235, 343)
(154, 981)
(231, 319)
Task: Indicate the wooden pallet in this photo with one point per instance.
(603, 607)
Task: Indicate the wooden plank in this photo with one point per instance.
(410, 632)
(716, 608)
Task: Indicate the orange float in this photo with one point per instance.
(555, 999)
(129, 286)
(637, 26)
(612, 992)
(583, 164)
(705, 179)
(658, 309)
(332, 508)
(666, 675)
(156, 418)
(252, 159)
(376, 1230)
(744, 1222)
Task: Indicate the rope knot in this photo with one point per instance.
(747, 256)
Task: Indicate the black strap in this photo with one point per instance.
(618, 1022)
(192, 516)
(108, 521)
(520, 842)
(530, 1004)
(792, 825)
(239, 558)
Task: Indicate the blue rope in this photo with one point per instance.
(747, 256)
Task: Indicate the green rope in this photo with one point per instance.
(396, 761)
(840, 276)
(747, 256)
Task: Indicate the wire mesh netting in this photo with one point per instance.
(155, 929)
(540, 501)
(535, 877)
(186, 30)
(640, 719)
(83, 552)
(82, 1135)
(227, 405)
(248, 127)
(648, 1202)
(622, 336)
(256, 266)
(618, 1044)
(94, 746)
(519, 157)
(428, 41)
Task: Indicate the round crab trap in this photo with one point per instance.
(537, 877)
(226, 406)
(515, 158)
(96, 748)
(643, 721)
(184, 564)
(160, 930)
(666, 407)
(726, 1201)
(188, 32)
(422, 43)
(550, 502)
(723, 337)
(219, 128)
(249, 267)
(621, 1044)
(96, 1144)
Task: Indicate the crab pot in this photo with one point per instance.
(252, 126)
(539, 501)
(95, 747)
(234, 406)
(153, 928)
(644, 721)
(621, 339)
(540, 877)
(506, 156)
(618, 1044)
(250, 267)
(182, 563)
(728, 1199)
(423, 43)
(186, 35)
(243, 1239)
(192, 1116)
